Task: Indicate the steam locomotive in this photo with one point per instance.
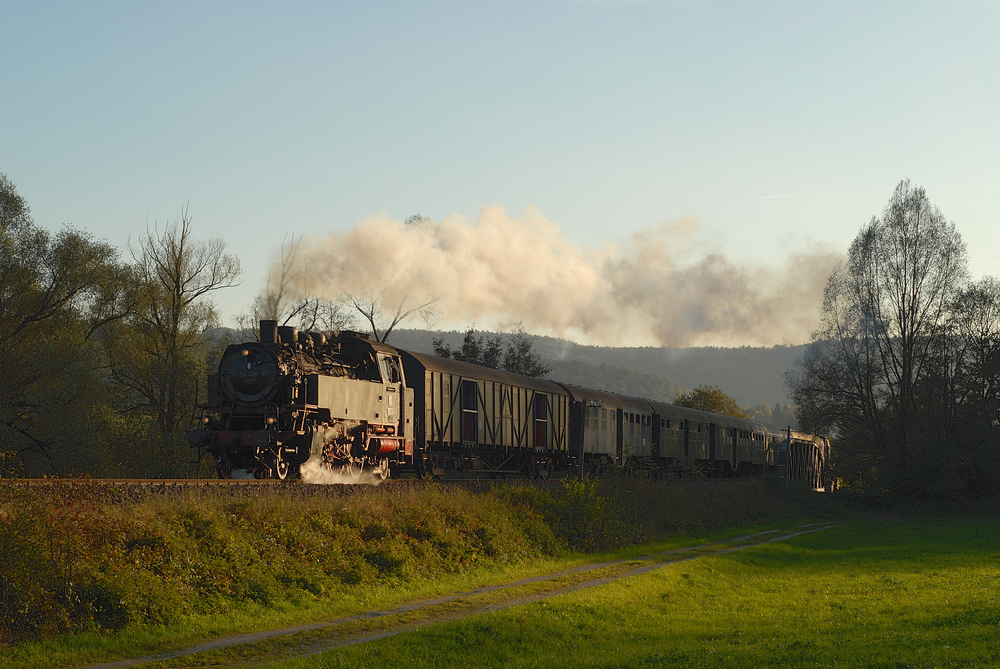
(338, 402)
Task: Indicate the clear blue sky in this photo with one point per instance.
(609, 117)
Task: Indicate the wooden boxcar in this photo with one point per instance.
(477, 419)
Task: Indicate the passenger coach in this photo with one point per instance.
(612, 429)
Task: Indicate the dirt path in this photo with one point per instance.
(304, 640)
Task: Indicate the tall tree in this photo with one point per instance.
(383, 311)
(712, 399)
(477, 350)
(516, 355)
(56, 291)
(160, 353)
(885, 318)
(520, 357)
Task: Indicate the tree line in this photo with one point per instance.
(104, 355)
(903, 371)
(512, 352)
(102, 358)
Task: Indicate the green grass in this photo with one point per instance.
(135, 641)
(887, 593)
(90, 573)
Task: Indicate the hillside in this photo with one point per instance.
(751, 375)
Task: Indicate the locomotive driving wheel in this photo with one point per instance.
(279, 467)
(223, 469)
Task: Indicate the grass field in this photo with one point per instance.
(890, 593)
(90, 575)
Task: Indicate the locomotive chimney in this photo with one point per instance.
(269, 332)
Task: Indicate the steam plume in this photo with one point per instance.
(497, 270)
(314, 473)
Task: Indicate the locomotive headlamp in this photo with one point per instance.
(270, 420)
(246, 352)
(206, 420)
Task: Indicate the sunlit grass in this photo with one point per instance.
(913, 593)
(90, 574)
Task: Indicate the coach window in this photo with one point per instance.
(541, 420)
(470, 410)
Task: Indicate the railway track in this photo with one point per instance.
(242, 482)
(149, 482)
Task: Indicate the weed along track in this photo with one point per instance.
(309, 639)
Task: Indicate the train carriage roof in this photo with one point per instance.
(738, 423)
(674, 412)
(684, 413)
(468, 370)
(606, 398)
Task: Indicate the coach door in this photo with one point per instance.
(470, 412)
(541, 421)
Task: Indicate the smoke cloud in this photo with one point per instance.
(655, 289)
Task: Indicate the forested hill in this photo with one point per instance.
(750, 375)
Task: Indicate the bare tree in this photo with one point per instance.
(383, 313)
(885, 312)
(287, 298)
(160, 353)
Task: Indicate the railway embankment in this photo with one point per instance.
(94, 561)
